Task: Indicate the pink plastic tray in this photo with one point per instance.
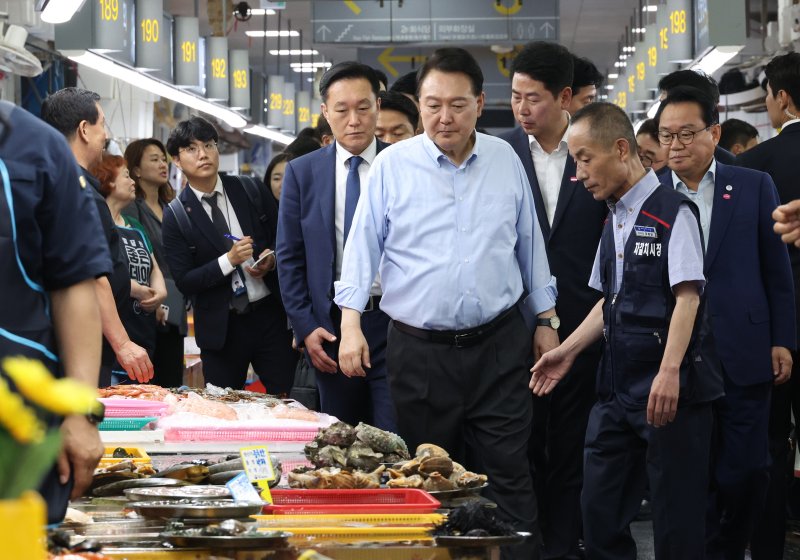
(133, 408)
(296, 435)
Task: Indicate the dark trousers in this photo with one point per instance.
(622, 454)
(769, 537)
(168, 357)
(556, 455)
(474, 402)
(259, 337)
(741, 468)
(361, 399)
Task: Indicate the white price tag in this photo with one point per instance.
(242, 489)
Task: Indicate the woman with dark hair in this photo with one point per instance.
(273, 178)
(142, 309)
(147, 159)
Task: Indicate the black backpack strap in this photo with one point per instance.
(184, 225)
(254, 194)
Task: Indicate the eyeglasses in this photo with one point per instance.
(194, 149)
(646, 161)
(685, 137)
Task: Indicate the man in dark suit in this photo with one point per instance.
(750, 301)
(320, 191)
(703, 82)
(777, 157)
(571, 222)
(210, 246)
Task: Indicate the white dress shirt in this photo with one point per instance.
(256, 288)
(549, 171)
(342, 169)
(703, 197)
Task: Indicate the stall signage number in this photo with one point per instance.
(218, 68)
(240, 79)
(109, 10)
(189, 51)
(150, 30)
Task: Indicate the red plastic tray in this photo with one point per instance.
(381, 500)
(295, 435)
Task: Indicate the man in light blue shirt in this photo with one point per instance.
(448, 220)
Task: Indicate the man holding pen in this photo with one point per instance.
(218, 236)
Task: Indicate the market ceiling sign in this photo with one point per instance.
(434, 21)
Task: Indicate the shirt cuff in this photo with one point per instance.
(350, 296)
(225, 265)
(540, 300)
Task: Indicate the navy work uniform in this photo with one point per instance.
(636, 274)
(50, 239)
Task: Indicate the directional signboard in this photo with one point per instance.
(432, 21)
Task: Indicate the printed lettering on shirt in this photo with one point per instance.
(138, 260)
(645, 249)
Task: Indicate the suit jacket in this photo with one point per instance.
(306, 245)
(750, 291)
(776, 156)
(573, 238)
(198, 275)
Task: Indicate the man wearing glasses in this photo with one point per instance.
(218, 244)
(750, 303)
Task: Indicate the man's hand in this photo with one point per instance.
(319, 359)
(353, 352)
(787, 222)
(544, 340)
(140, 292)
(81, 450)
(153, 302)
(781, 364)
(662, 405)
(241, 251)
(549, 370)
(267, 265)
(135, 361)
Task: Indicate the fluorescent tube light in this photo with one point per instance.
(60, 11)
(294, 52)
(715, 59)
(274, 135)
(282, 33)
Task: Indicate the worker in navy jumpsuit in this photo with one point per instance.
(50, 241)
(657, 377)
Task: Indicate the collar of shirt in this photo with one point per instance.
(562, 144)
(637, 194)
(787, 123)
(437, 155)
(706, 182)
(217, 188)
(342, 155)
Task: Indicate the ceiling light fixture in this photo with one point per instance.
(269, 134)
(58, 11)
(293, 52)
(652, 8)
(270, 34)
(261, 12)
(613, 76)
(715, 59)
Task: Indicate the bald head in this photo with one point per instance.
(606, 124)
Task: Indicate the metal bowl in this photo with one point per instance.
(179, 493)
(192, 538)
(196, 509)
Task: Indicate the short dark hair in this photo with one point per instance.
(309, 132)
(546, 62)
(394, 101)
(650, 128)
(66, 108)
(407, 83)
(348, 70)
(687, 94)
(323, 127)
(607, 124)
(735, 131)
(188, 131)
(279, 158)
(453, 60)
(783, 73)
(585, 73)
(302, 145)
(382, 77)
(692, 78)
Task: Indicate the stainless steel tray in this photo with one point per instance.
(201, 509)
(117, 488)
(185, 538)
(483, 542)
(178, 493)
(457, 493)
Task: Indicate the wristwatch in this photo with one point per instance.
(97, 414)
(553, 322)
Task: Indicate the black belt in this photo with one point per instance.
(252, 306)
(373, 304)
(459, 339)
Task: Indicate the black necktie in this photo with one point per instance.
(240, 300)
(351, 194)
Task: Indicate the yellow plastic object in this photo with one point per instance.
(149, 554)
(140, 456)
(22, 525)
(355, 534)
(341, 519)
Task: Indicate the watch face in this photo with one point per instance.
(555, 322)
